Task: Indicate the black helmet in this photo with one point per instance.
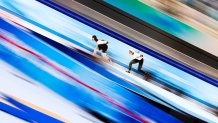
(95, 37)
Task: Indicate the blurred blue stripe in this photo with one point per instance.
(27, 113)
(68, 90)
(15, 112)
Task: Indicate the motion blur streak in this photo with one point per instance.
(20, 108)
(63, 72)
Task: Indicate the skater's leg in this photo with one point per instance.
(146, 75)
(140, 66)
(104, 56)
(132, 62)
(104, 52)
(95, 51)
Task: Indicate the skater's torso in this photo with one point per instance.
(136, 56)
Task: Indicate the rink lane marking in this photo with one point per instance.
(76, 80)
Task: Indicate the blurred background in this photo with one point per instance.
(200, 14)
(49, 73)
